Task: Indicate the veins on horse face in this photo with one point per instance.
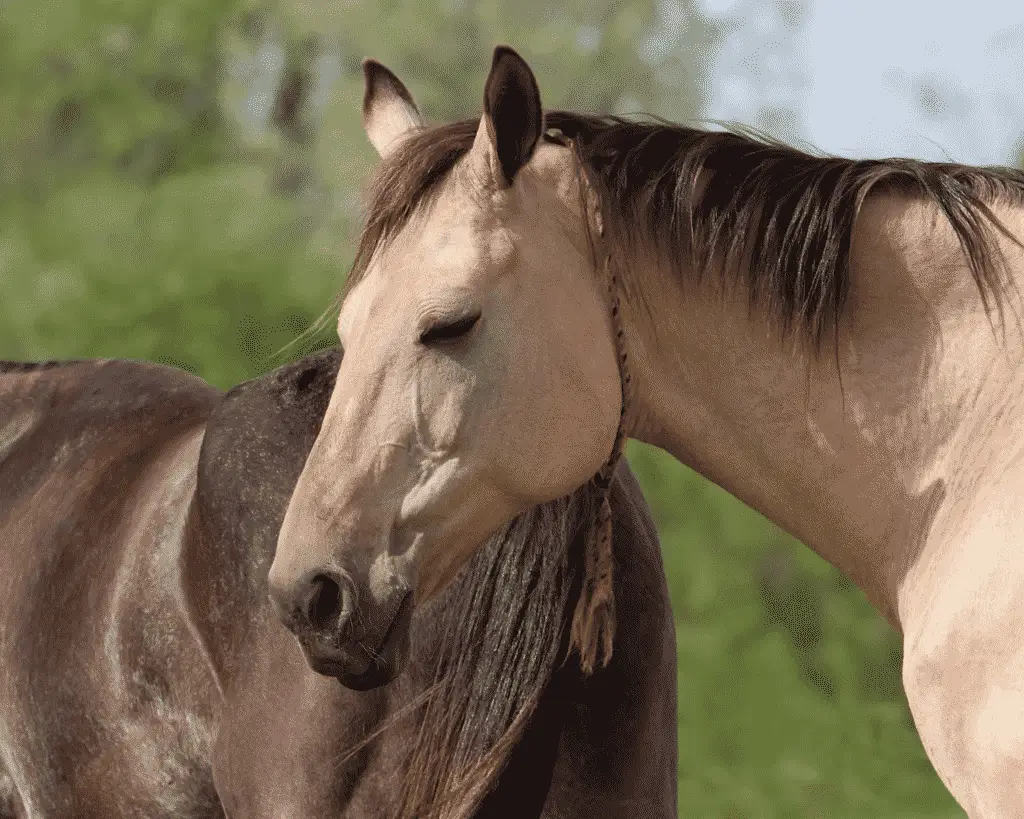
(424, 445)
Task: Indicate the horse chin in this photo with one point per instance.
(376, 677)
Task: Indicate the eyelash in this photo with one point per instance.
(450, 331)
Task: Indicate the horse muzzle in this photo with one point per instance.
(362, 650)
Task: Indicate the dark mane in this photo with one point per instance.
(504, 631)
(791, 213)
(33, 366)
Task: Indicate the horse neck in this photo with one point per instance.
(859, 451)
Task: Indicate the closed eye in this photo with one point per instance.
(449, 330)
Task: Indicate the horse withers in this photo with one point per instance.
(144, 671)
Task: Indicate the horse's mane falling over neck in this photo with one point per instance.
(778, 219)
(503, 632)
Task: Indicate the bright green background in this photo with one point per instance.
(141, 217)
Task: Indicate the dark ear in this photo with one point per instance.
(389, 113)
(513, 119)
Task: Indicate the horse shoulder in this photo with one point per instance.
(963, 666)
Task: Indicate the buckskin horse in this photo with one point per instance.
(144, 671)
(837, 343)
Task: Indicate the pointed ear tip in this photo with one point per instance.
(501, 51)
(509, 61)
(372, 69)
(381, 79)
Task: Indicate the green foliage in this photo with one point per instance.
(140, 217)
(206, 270)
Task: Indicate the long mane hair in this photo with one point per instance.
(779, 218)
(504, 632)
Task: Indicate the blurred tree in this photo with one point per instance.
(129, 87)
(134, 219)
(216, 150)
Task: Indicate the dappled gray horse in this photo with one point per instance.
(144, 672)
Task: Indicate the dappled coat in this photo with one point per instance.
(144, 673)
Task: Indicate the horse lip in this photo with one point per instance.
(383, 665)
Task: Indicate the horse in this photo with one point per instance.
(834, 342)
(145, 672)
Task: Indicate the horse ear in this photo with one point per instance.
(389, 113)
(513, 119)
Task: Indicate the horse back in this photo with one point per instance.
(98, 682)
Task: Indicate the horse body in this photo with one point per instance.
(897, 457)
(837, 343)
(143, 671)
(106, 697)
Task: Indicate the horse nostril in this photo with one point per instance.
(324, 601)
(329, 605)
